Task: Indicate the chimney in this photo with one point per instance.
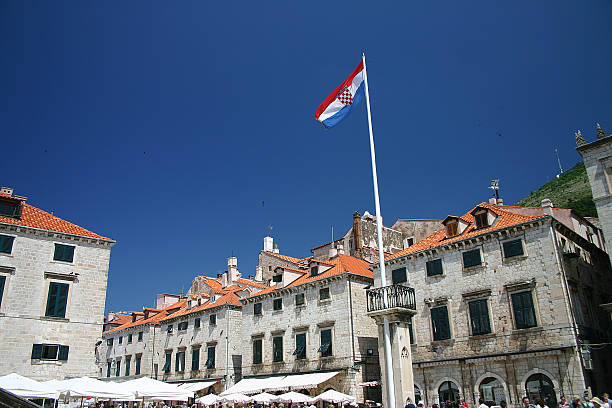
(333, 252)
(547, 206)
(340, 249)
(268, 244)
(146, 313)
(232, 270)
(258, 274)
(133, 317)
(250, 277)
(111, 314)
(275, 249)
(219, 275)
(492, 201)
(357, 233)
(224, 279)
(7, 191)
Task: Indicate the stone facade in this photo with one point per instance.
(28, 271)
(597, 156)
(559, 268)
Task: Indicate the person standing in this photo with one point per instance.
(482, 404)
(409, 403)
(564, 403)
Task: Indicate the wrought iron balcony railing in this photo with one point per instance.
(389, 297)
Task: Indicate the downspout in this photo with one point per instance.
(569, 299)
(352, 329)
(227, 347)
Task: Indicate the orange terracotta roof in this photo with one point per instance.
(285, 257)
(153, 319)
(340, 264)
(229, 298)
(289, 268)
(120, 319)
(505, 219)
(36, 218)
(250, 282)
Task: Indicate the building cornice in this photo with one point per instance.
(55, 234)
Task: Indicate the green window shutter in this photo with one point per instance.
(257, 351)
(196, 323)
(410, 332)
(439, 319)
(176, 361)
(326, 343)
(213, 319)
(257, 309)
(137, 367)
(108, 369)
(127, 366)
(300, 346)
(277, 349)
(166, 368)
(324, 293)
(434, 267)
(63, 353)
(513, 248)
(139, 336)
(6, 244)
(399, 276)
(51, 299)
(210, 360)
(63, 253)
(37, 351)
(195, 359)
(479, 317)
(524, 313)
(299, 299)
(471, 258)
(278, 304)
(118, 370)
(2, 280)
(56, 302)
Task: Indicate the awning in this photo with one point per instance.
(197, 386)
(279, 383)
(26, 387)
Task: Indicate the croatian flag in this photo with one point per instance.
(340, 103)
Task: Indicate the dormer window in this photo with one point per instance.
(452, 229)
(314, 270)
(481, 219)
(277, 278)
(454, 226)
(10, 208)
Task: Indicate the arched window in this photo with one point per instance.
(417, 394)
(491, 391)
(539, 385)
(448, 391)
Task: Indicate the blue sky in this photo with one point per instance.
(184, 130)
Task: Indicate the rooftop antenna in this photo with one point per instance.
(559, 161)
(332, 234)
(495, 187)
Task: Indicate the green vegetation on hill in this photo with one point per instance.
(570, 190)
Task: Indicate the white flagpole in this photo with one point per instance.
(381, 256)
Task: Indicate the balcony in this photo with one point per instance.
(393, 297)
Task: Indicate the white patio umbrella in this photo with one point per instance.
(149, 388)
(208, 400)
(89, 387)
(26, 387)
(335, 397)
(237, 398)
(264, 398)
(295, 397)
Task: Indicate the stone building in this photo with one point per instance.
(504, 305)
(53, 278)
(597, 156)
(312, 320)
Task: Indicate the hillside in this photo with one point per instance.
(570, 190)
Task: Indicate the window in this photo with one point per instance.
(212, 319)
(196, 323)
(56, 302)
(479, 317)
(513, 248)
(300, 346)
(6, 244)
(452, 229)
(128, 360)
(108, 369)
(139, 336)
(179, 362)
(129, 338)
(326, 343)
(64, 253)
(210, 360)
(299, 299)
(410, 331)
(49, 352)
(109, 342)
(2, 280)
(448, 391)
(277, 349)
(137, 365)
(324, 294)
(118, 368)
(440, 325)
(10, 209)
(195, 359)
(166, 368)
(277, 304)
(398, 276)
(169, 329)
(480, 219)
(314, 270)
(182, 326)
(471, 258)
(277, 278)
(524, 313)
(539, 385)
(257, 351)
(257, 309)
(492, 390)
(120, 340)
(434, 267)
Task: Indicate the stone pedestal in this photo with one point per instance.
(403, 382)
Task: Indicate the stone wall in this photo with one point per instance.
(28, 270)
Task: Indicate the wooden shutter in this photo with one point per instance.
(398, 275)
(62, 299)
(37, 351)
(2, 280)
(439, 318)
(63, 353)
(257, 343)
(195, 359)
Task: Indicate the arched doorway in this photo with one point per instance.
(417, 394)
(539, 385)
(491, 391)
(448, 391)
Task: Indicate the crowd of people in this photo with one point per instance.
(577, 402)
